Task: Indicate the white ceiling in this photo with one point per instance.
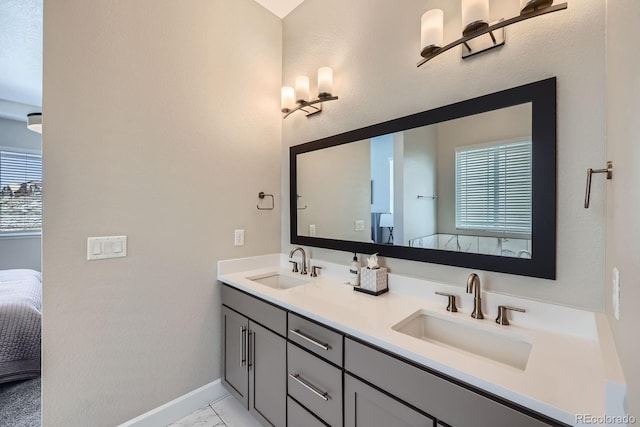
(20, 53)
(280, 8)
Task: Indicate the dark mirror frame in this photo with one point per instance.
(542, 95)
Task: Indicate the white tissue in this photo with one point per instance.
(372, 262)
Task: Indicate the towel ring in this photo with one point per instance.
(262, 195)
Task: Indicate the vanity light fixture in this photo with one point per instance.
(34, 122)
(475, 21)
(294, 99)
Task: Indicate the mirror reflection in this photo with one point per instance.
(462, 185)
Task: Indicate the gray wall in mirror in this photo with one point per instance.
(469, 184)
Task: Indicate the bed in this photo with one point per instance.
(20, 314)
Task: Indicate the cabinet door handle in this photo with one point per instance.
(307, 338)
(250, 355)
(243, 352)
(306, 384)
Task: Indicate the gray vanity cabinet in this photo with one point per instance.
(302, 373)
(364, 406)
(447, 401)
(235, 374)
(298, 416)
(316, 338)
(267, 376)
(254, 362)
(316, 384)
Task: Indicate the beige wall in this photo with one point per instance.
(373, 46)
(623, 193)
(20, 252)
(162, 124)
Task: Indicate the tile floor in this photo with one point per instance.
(224, 412)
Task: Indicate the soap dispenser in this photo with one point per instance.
(354, 271)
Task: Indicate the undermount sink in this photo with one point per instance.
(499, 346)
(278, 281)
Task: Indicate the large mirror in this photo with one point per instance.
(470, 184)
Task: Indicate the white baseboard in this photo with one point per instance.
(180, 407)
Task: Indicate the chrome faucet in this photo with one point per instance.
(303, 268)
(473, 285)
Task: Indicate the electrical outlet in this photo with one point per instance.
(616, 293)
(238, 238)
(359, 225)
(312, 230)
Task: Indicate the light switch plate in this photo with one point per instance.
(106, 247)
(359, 225)
(238, 238)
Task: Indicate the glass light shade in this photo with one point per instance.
(325, 81)
(432, 30)
(287, 99)
(475, 15)
(34, 122)
(302, 89)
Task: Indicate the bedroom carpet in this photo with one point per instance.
(20, 403)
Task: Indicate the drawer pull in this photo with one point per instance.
(315, 390)
(309, 339)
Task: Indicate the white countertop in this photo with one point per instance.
(572, 368)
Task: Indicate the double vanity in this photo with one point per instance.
(308, 351)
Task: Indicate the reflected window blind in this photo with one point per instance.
(20, 192)
(493, 187)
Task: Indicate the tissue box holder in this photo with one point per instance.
(373, 282)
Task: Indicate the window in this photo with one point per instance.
(493, 187)
(20, 192)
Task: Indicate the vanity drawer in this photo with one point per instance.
(262, 312)
(316, 338)
(315, 384)
(452, 404)
(297, 416)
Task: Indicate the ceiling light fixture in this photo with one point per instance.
(34, 122)
(475, 21)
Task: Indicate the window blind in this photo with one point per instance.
(20, 192)
(494, 187)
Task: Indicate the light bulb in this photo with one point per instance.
(287, 99)
(475, 16)
(325, 82)
(302, 89)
